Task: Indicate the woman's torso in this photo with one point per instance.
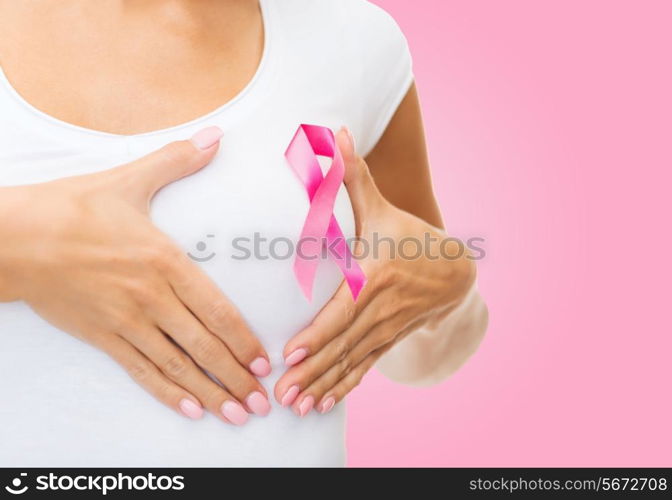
(64, 403)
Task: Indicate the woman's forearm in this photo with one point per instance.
(8, 292)
(5, 289)
(400, 167)
(435, 351)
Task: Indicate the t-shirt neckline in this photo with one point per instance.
(235, 103)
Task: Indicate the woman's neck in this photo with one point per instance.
(196, 16)
(129, 66)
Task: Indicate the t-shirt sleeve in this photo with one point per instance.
(384, 69)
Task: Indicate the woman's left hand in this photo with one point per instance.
(415, 277)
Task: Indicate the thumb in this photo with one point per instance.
(362, 189)
(172, 162)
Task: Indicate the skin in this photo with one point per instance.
(217, 46)
(99, 270)
(198, 53)
(401, 296)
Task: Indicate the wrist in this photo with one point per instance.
(458, 270)
(9, 289)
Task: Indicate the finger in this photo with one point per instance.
(378, 323)
(214, 310)
(330, 338)
(335, 317)
(148, 376)
(334, 353)
(361, 187)
(178, 367)
(376, 338)
(348, 383)
(144, 177)
(210, 353)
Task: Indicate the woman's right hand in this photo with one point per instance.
(84, 254)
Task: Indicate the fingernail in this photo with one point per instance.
(351, 138)
(207, 137)
(290, 395)
(260, 367)
(191, 409)
(258, 403)
(234, 413)
(296, 357)
(306, 405)
(328, 404)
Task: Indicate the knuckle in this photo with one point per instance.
(176, 154)
(212, 397)
(221, 314)
(139, 372)
(345, 366)
(164, 392)
(240, 384)
(342, 349)
(126, 323)
(387, 276)
(143, 295)
(349, 311)
(159, 256)
(206, 349)
(388, 310)
(246, 351)
(175, 366)
(241, 389)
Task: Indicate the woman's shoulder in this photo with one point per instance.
(353, 51)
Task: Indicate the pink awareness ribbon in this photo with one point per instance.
(309, 142)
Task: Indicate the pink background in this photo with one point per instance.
(550, 131)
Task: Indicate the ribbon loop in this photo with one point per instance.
(309, 142)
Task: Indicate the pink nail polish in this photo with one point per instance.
(328, 404)
(207, 137)
(296, 357)
(258, 403)
(290, 395)
(306, 405)
(234, 413)
(191, 409)
(260, 367)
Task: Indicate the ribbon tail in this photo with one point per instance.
(305, 275)
(346, 262)
(308, 142)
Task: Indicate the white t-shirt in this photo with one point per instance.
(325, 62)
